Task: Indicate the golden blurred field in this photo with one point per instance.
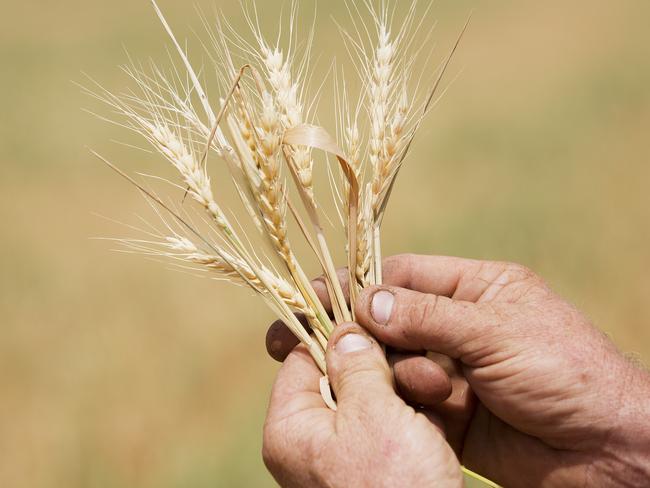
(115, 372)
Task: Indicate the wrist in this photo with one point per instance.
(625, 459)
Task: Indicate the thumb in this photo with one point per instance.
(357, 369)
(414, 321)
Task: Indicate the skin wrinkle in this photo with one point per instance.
(420, 315)
(485, 282)
(485, 275)
(568, 395)
(511, 279)
(483, 356)
(287, 418)
(488, 331)
(503, 289)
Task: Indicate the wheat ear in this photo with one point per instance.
(300, 162)
(258, 147)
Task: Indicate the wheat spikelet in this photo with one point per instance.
(257, 140)
(394, 142)
(226, 264)
(287, 100)
(237, 270)
(393, 145)
(290, 295)
(379, 87)
(285, 88)
(194, 176)
(258, 150)
(363, 251)
(353, 138)
(270, 195)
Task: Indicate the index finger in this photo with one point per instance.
(437, 275)
(460, 278)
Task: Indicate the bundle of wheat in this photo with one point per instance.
(261, 130)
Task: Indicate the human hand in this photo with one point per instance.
(558, 405)
(374, 439)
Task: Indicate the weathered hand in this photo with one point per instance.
(559, 405)
(373, 440)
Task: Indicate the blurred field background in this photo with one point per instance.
(117, 373)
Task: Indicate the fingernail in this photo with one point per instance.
(382, 306)
(352, 343)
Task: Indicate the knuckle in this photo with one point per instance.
(356, 375)
(518, 272)
(505, 272)
(508, 280)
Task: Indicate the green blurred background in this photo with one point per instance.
(117, 373)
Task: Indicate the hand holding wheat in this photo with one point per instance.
(515, 346)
